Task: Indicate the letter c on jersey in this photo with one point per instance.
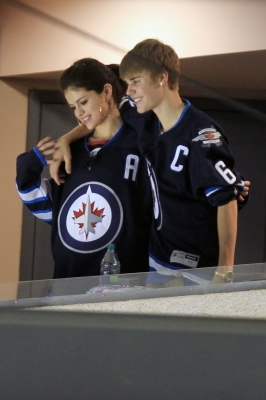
(180, 149)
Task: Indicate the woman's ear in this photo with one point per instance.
(107, 91)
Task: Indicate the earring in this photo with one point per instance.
(110, 109)
(101, 110)
(161, 83)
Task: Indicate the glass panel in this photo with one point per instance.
(129, 286)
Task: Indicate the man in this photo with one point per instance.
(189, 162)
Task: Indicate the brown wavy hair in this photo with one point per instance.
(154, 57)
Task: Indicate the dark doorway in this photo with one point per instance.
(48, 115)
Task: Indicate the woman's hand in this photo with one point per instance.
(46, 148)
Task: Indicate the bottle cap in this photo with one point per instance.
(111, 246)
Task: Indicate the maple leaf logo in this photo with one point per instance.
(87, 216)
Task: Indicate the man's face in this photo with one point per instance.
(146, 92)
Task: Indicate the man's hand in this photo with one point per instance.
(61, 153)
(223, 275)
(245, 191)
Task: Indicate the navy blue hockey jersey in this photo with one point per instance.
(106, 199)
(191, 173)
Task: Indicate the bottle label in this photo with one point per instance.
(113, 278)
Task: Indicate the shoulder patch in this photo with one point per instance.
(208, 137)
(207, 130)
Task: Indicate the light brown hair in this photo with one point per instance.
(154, 57)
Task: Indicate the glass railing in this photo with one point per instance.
(130, 286)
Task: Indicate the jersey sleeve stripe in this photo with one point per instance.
(44, 215)
(38, 200)
(40, 156)
(162, 267)
(39, 192)
(33, 201)
(208, 192)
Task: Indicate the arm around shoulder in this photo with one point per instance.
(62, 152)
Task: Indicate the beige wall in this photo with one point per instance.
(13, 115)
(43, 42)
(53, 39)
(13, 126)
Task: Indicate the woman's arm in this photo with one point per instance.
(35, 191)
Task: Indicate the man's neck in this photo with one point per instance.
(170, 110)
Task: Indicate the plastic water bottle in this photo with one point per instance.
(110, 264)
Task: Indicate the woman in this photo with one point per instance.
(106, 199)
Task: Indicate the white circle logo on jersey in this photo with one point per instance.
(90, 218)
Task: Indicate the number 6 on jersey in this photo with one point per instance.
(226, 173)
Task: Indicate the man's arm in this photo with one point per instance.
(227, 232)
(62, 152)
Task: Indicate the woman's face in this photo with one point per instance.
(86, 105)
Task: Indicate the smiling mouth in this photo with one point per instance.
(86, 119)
(138, 99)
